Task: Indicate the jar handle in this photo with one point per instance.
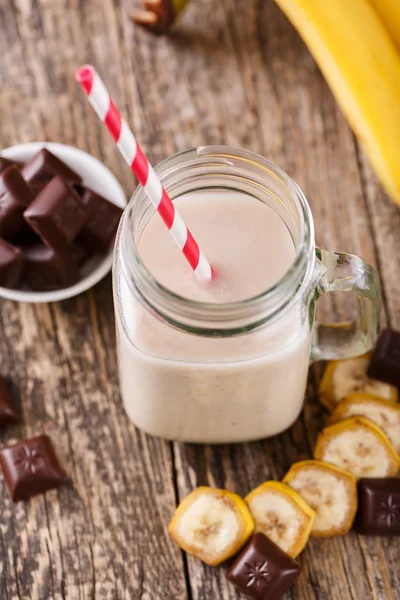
(347, 273)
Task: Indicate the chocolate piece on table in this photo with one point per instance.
(378, 506)
(15, 196)
(11, 265)
(57, 214)
(9, 415)
(31, 467)
(46, 270)
(44, 166)
(102, 223)
(385, 359)
(5, 163)
(263, 571)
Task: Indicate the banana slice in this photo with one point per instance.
(358, 446)
(282, 515)
(330, 491)
(211, 524)
(344, 377)
(381, 412)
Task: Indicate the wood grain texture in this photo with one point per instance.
(233, 72)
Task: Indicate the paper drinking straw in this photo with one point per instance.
(106, 110)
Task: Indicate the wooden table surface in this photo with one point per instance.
(233, 72)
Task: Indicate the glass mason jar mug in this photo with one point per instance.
(218, 373)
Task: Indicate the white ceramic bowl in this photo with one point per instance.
(95, 176)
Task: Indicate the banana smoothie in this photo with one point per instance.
(178, 383)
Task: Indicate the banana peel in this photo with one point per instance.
(211, 524)
(362, 67)
(282, 515)
(389, 13)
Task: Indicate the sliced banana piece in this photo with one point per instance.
(330, 491)
(282, 515)
(344, 377)
(358, 446)
(383, 413)
(211, 524)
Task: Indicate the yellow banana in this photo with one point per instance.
(389, 12)
(362, 66)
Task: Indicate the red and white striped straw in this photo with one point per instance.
(108, 113)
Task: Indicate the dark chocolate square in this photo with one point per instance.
(102, 223)
(9, 415)
(44, 166)
(26, 237)
(385, 359)
(46, 270)
(79, 253)
(79, 188)
(378, 506)
(31, 467)
(5, 163)
(15, 196)
(36, 188)
(263, 571)
(11, 265)
(57, 214)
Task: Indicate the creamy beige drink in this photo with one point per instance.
(197, 388)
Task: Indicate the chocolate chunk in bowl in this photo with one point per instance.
(57, 214)
(44, 166)
(49, 270)
(79, 253)
(11, 265)
(5, 163)
(101, 224)
(15, 196)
